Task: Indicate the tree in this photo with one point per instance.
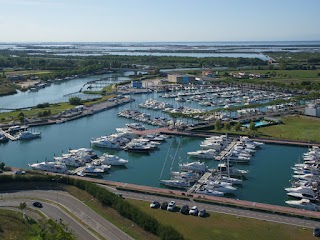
(218, 125)
(227, 125)
(75, 101)
(237, 127)
(252, 126)
(22, 206)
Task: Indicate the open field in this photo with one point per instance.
(225, 227)
(294, 128)
(28, 72)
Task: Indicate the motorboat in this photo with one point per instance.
(28, 135)
(188, 176)
(304, 204)
(210, 192)
(302, 195)
(233, 181)
(91, 170)
(3, 138)
(228, 170)
(237, 158)
(84, 153)
(137, 147)
(104, 142)
(69, 160)
(205, 154)
(220, 186)
(17, 128)
(112, 160)
(136, 126)
(247, 140)
(193, 166)
(49, 167)
(176, 183)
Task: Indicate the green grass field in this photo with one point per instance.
(225, 227)
(294, 128)
(13, 226)
(28, 72)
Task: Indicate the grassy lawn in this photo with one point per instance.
(13, 226)
(299, 128)
(54, 108)
(225, 227)
(294, 128)
(28, 72)
(111, 215)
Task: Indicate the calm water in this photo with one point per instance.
(269, 169)
(52, 94)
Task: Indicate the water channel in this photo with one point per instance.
(269, 168)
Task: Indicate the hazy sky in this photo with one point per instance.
(158, 20)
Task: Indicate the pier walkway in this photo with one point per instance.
(224, 152)
(8, 135)
(200, 182)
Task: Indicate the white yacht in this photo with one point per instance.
(193, 166)
(237, 158)
(228, 170)
(69, 160)
(112, 160)
(136, 126)
(188, 176)
(304, 204)
(205, 154)
(210, 192)
(176, 183)
(49, 167)
(27, 135)
(247, 140)
(90, 170)
(105, 142)
(84, 153)
(221, 186)
(137, 147)
(311, 196)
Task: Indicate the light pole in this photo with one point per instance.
(57, 181)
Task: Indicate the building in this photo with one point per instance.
(312, 109)
(181, 78)
(136, 84)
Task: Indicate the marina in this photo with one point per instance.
(145, 168)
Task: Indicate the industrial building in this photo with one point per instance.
(181, 78)
(312, 109)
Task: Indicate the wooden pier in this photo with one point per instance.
(224, 152)
(8, 135)
(200, 182)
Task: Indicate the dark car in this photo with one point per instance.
(184, 209)
(164, 205)
(316, 232)
(37, 204)
(202, 213)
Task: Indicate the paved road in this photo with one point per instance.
(225, 209)
(74, 206)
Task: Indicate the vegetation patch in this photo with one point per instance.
(225, 227)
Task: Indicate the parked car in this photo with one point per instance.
(194, 211)
(184, 209)
(164, 205)
(155, 204)
(171, 206)
(37, 204)
(316, 232)
(202, 213)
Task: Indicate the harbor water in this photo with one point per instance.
(269, 168)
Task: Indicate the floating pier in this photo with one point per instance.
(200, 182)
(224, 152)
(8, 135)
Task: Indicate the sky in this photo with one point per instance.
(158, 20)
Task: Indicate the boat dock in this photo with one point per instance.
(200, 182)
(8, 135)
(224, 152)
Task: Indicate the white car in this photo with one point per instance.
(171, 206)
(194, 211)
(155, 204)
